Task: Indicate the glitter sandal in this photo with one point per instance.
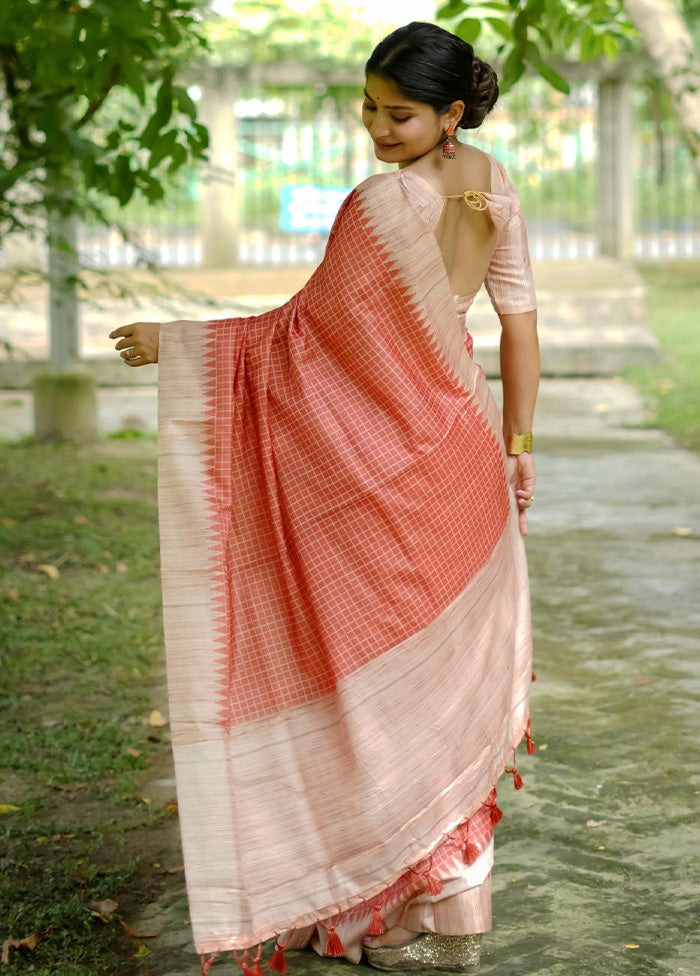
(428, 950)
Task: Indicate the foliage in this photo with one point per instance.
(670, 389)
(532, 32)
(92, 103)
(327, 34)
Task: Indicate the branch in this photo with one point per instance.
(114, 77)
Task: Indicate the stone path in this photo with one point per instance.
(596, 858)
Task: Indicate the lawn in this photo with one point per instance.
(81, 659)
(672, 389)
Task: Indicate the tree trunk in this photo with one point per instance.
(668, 42)
(64, 323)
(65, 400)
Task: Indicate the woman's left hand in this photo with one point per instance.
(138, 342)
(522, 477)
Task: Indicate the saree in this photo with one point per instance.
(345, 596)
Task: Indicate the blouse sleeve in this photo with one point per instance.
(509, 280)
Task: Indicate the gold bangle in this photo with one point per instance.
(520, 443)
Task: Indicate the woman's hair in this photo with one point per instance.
(429, 64)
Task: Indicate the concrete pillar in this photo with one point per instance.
(616, 225)
(220, 212)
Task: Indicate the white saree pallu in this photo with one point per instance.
(345, 595)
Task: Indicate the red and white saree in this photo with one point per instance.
(345, 598)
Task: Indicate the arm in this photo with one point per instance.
(520, 376)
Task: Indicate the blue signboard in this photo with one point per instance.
(310, 209)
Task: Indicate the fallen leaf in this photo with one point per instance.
(543, 747)
(28, 557)
(71, 788)
(9, 523)
(102, 568)
(120, 566)
(632, 945)
(134, 752)
(8, 808)
(110, 610)
(595, 823)
(178, 870)
(104, 909)
(137, 935)
(29, 942)
(143, 950)
(156, 719)
(13, 593)
(81, 520)
(38, 507)
(156, 864)
(601, 847)
(644, 681)
(49, 570)
(147, 800)
(681, 530)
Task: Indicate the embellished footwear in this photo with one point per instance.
(428, 950)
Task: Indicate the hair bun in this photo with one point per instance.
(483, 96)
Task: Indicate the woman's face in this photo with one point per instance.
(401, 129)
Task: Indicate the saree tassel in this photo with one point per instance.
(257, 969)
(207, 963)
(517, 778)
(471, 852)
(243, 962)
(277, 963)
(528, 736)
(376, 925)
(534, 677)
(334, 947)
(432, 885)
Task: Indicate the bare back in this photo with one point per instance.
(465, 233)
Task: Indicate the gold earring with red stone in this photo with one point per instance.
(449, 149)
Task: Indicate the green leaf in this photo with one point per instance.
(468, 29)
(451, 9)
(162, 147)
(611, 47)
(501, 27)
(513, 69)
(553, 77)
(184, 102)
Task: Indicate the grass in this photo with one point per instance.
(671, 388)
(81, 661)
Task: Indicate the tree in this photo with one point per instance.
(93, 111)
(533, 32)
(669, 43)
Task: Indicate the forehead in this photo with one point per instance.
(385, 92)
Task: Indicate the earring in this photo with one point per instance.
(449, 149)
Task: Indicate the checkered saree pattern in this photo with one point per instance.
(344, 590)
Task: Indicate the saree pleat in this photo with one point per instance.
(344, 584)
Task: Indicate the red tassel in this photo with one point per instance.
(334, 947)
(207, 964)
(243, 963)
(471, 852)
(277, 963)
(496, 815)
(432, 885)
(376, 926)
(534, 678)
(517, 781)
(257, 970)
(528, 736)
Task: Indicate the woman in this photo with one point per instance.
(345, 597)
